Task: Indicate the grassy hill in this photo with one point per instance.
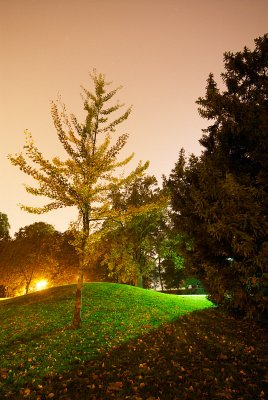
(135, 344)
(35, 343)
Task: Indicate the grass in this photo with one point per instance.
(36, 347)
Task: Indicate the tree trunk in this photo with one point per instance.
(28, 282)
(160, 276)
(27, 287)
(78, 301)
(78, 296)
(140, 281)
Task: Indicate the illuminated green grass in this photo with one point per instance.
(35, 343)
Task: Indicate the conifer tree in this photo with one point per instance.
(220, 198)
(89, 173)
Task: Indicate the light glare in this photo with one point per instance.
(42, 284)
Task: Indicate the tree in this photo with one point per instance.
(170, 262)
(90, 171)
(32, 255)
(128, 245)
(37, 252)
(4, 246)
(219, 199)
(4, 227)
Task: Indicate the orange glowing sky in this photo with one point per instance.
(161, 51)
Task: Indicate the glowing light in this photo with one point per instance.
(40, 285)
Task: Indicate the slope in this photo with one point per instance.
(36, 342)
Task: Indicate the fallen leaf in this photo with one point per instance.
(115, 386)
(224, 395)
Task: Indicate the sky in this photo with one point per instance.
(160, 51)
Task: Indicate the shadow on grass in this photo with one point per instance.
(202, 355)
(50, 295)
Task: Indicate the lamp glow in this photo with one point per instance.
(42, 284)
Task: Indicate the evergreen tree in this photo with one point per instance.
(90, 171)
(219, 199)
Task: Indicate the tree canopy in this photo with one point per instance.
(219, 199)
(37, 252)
(128, 244)
(32, 254)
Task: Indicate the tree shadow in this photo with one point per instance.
(202, 355)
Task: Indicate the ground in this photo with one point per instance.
(204, 355)
(134, 344)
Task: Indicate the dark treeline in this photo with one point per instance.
(219, 199)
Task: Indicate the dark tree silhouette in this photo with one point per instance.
(219, 199)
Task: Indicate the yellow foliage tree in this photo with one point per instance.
(86, 178)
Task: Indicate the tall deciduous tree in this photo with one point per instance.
(170, 264)
(90, 171)
(129, 245)
(220, 198)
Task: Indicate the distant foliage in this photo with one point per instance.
(37, 252)
(125, 248)
(4, 227)
(219, 199)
